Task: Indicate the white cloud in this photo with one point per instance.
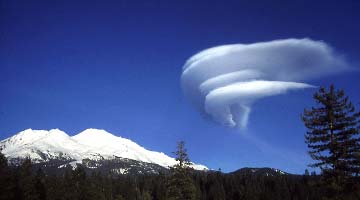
(225, 81)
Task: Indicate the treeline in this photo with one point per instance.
(25, 183)
(22, 183)
(333, 139)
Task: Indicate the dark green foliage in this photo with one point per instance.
(333, 138)
(215, 187)
(180, 185)
(26, 181)
(182, 156)
(240, 185)
(29, 182)
(3, 162)
(40, 184)
(6, 182)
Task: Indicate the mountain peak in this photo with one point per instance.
(30, 135)
(95, 131)
(30, 131)
(43, 145)
(95, 136)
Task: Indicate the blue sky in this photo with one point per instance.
(116, 65)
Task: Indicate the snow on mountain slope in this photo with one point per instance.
(39, 145)
(42, 145)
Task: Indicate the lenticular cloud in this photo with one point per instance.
(224, 82)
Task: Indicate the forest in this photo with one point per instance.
(333, 141)
(24, 183)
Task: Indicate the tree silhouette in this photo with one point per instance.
(180, 184)
(333, 136)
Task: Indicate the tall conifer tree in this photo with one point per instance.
(27, 181)
(6, 181)
(180, 184)
(333, 134)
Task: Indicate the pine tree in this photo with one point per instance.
(27, 181)
(69, 185)
(96, 188)
(180, 184)
(3, 161)
(216, 188)
(6, 181)
(40, 184)
(182, 156)
(80, 182)
(333, 135)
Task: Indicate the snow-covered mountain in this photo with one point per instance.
(92, 144)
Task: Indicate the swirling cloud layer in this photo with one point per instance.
(223, 82)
